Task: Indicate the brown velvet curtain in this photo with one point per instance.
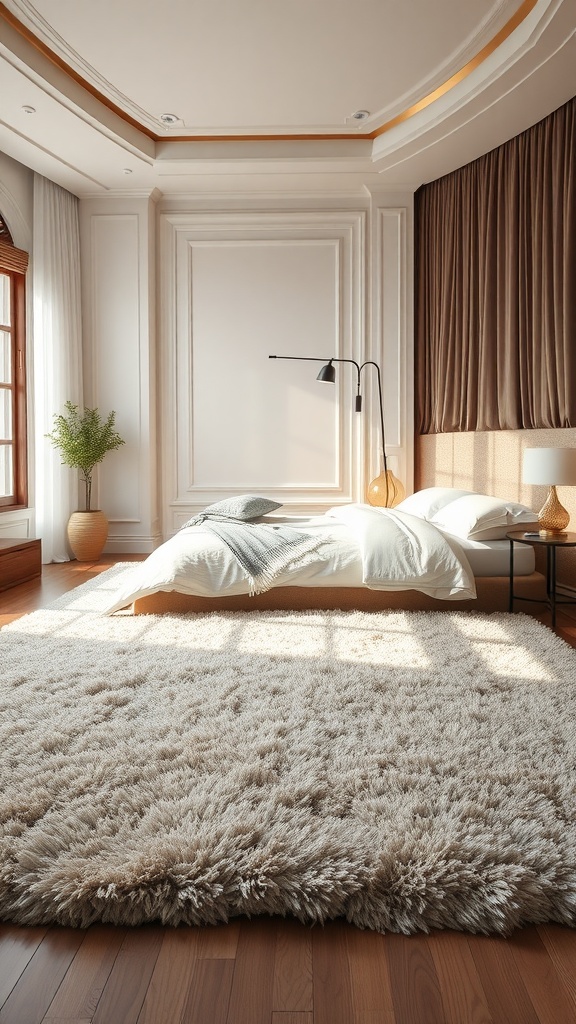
(495, 287)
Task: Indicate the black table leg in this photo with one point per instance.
(552, 577)
(551, 542)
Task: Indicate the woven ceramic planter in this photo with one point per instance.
(87, 533)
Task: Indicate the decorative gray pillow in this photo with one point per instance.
(243, 507)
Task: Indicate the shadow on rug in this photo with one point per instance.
(405, 771)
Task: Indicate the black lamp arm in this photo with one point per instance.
(327, 359)
(306, 359)
(370, 362)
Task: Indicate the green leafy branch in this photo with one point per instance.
(83, 440)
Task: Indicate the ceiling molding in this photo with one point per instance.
(502, 74)
(143, 125)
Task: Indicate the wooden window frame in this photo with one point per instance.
(13, 263)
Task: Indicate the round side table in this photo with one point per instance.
(566, 540)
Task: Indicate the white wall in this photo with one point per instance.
(16, 206)
(297, 277)
(239, 278)
(118, 303)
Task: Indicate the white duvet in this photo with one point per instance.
(381, 549)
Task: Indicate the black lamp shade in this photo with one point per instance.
(327, 374)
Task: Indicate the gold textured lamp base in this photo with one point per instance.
(385, 490)
(552, 517)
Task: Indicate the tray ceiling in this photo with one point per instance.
(272, 87)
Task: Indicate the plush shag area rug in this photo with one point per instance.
(403, 770)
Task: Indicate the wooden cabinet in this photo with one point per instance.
(20, 560)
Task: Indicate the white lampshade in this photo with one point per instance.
(552, 466)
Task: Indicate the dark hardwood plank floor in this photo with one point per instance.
(270, 970)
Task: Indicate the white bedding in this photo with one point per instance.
(492, 557)
(381, 549)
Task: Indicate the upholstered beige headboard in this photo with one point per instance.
(491, 463)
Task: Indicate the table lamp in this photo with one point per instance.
(554, 467)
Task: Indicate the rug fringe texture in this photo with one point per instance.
(405, 771)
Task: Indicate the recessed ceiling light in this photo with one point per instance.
(127, 170)
(360, 115)
(169, 118)
(29, 110)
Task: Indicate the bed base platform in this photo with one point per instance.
(492, 596)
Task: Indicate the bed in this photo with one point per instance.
(440, 548)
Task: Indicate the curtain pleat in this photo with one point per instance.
(57, 355)
(495, 287)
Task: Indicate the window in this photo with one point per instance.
(13, 474)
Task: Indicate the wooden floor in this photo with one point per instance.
(274, 971)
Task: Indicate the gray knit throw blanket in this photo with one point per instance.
(264, 552)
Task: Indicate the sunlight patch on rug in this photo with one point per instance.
(403, 770)
(502, 649)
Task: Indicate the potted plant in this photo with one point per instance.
(83, 439)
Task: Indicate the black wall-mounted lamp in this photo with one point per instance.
(385, 490)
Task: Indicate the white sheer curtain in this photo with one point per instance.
(57, 355)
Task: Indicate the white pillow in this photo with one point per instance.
(426, 503)
(481, 517)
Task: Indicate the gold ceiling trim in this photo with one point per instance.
(53, 58)
(520, 15)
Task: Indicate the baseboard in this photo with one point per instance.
(131, 546)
